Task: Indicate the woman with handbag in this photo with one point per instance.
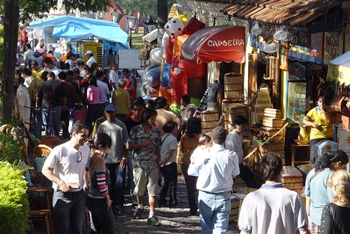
(98, 201)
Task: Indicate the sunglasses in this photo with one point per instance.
(80, 156)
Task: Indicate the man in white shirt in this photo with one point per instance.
(90, 57)
(215, 183)
(67, 167)
(234, 142)
(27, 56)
(49, 67)
(272, 209)
(113, 76)
(105, 94)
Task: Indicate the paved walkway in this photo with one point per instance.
(173, 220)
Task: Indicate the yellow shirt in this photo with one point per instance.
(121, 101)
(37, 75)
(316, 116)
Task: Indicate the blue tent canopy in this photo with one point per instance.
(77, 28)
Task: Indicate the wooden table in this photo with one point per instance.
(300, 153)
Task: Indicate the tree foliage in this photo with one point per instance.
(147, 7)
(40, 8)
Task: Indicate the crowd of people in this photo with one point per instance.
(133, 142)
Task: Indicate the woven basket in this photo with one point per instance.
(233, 87)
(233, 78)
(209, 124)
(210, 116)
(235, 203)
(293, 183)
(237, 95)
(273, 147)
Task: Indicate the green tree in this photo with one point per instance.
(29, 8)
(147, 7)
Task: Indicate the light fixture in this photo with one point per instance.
(129, 24)
(114, 16)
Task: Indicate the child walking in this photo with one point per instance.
(168, 166)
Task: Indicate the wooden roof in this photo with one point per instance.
(298, 13)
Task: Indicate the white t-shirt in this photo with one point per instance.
(184, 112)
(113, 78)
(104, 90)
(23, 100)
(54, 70)
(66, 164)
(234, 142)
(272, 209)
(90, 61)
(169, 142)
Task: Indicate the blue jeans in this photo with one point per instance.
(54, 120)
(102, 217)
(68, 211)
(214, 211)
(116, 188)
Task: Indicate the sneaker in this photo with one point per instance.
(153, 221)
(138, 213)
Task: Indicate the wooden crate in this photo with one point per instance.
(292, 179)
(238, 109)
(233, 87)
(236, 95)
(273, 147)
(210, 116)
(209, 124)
(233, 78)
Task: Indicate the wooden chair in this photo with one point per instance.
(40, 209)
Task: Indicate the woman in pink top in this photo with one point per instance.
(93, 96)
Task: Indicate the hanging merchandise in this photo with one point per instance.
(178, 42)
(209, 96)
(179, 85)
(174, 27)
(192, 26)
(192, 69)
(169, 50)
(256, 30)
(183, 18)
(281, 35)
(270, 48)
(271, 68)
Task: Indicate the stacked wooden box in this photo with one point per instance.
(272, 122)
(262, 101)
(233, 86)
(210, 120)
(230, 110)
(292, 179)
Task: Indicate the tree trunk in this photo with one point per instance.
(11, 19)
(162, 9)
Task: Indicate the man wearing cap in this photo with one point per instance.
(91, 58)
(116, 157)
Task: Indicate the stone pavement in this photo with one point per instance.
(173, 220)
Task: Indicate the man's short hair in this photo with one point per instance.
(78, 126)
(218, 135)
(239, 119)
(270, 167)
(126, 71)
(147, 114)
(99, 74)
(186, 98)
(161, 102)
(47, 60)
(62, 75)
(169, 126)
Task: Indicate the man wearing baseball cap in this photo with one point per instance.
(116, 157)
(91, 58)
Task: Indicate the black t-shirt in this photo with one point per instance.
(335, 219)
(129, 123)
(50, 93)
